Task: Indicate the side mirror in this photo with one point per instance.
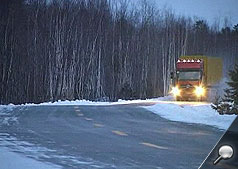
(171, 75)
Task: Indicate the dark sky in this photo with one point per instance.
(206, 9)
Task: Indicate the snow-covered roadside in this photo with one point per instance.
(188, 113)
(87, 102)
(6, 108)
(11, 160)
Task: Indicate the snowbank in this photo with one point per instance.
(192, 113)
(6, 108)
(87, 102)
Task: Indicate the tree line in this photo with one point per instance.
(98, 49)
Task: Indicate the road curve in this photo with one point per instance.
(117, 136)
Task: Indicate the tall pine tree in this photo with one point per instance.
(229, 104)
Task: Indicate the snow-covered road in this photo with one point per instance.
(66, 133)
(12, 150)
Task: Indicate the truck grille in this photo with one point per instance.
(187, 90)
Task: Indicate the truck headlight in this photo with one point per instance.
(175, 91)
(199, 91)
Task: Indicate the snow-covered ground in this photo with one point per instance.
(87, 102)
(189, 112)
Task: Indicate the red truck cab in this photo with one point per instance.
(188, 80)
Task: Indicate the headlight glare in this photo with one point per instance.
(175, 91)
(199, 91)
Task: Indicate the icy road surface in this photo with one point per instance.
(126, 134)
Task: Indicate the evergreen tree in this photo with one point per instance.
(229, 104)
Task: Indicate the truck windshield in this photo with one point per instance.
(195, 75)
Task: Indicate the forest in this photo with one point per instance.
(99, 49)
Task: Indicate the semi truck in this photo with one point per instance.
(196, 78)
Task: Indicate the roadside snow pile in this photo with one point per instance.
(67, 102)
(56, 103)
(6, 108)
(5, 114)
(188, 113)
(87, 102)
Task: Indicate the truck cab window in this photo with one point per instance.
(193, 75)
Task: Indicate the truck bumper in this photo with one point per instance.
(189, 95)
